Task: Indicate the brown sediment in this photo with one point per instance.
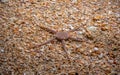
(20, 30)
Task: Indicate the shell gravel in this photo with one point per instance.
(99, 24)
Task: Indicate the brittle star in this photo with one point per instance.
(60, 36)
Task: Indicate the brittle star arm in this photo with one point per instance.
(76, 39)
(48, 29)
(45, 42)
(63, 45)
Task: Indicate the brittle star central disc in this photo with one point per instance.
(62, 35)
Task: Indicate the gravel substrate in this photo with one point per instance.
(99, 26)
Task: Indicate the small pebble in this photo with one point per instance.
(110, 61)
(71, 26)
(74, 1)
(80, 32)
(110, 12)
(101, 55)
(92, 28)
(96, 49)
(2, 50)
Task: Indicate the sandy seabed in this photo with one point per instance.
(99, 26)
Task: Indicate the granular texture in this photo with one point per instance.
(99, 22)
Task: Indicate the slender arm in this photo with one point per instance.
(63, 45)
(44, 43)
(76, 39)
(48, 29)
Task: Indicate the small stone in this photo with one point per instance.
(71, 26)
(97, 17)
(2, 50)
(90, 51)
(28, 73)
(74, 1)
(20, 29)
(117, 14)
(80, 32)
(110, 12)
(92, 28)
(100, 56)
(96, 49)
(110, 61)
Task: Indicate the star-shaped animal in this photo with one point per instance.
(60, 36)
